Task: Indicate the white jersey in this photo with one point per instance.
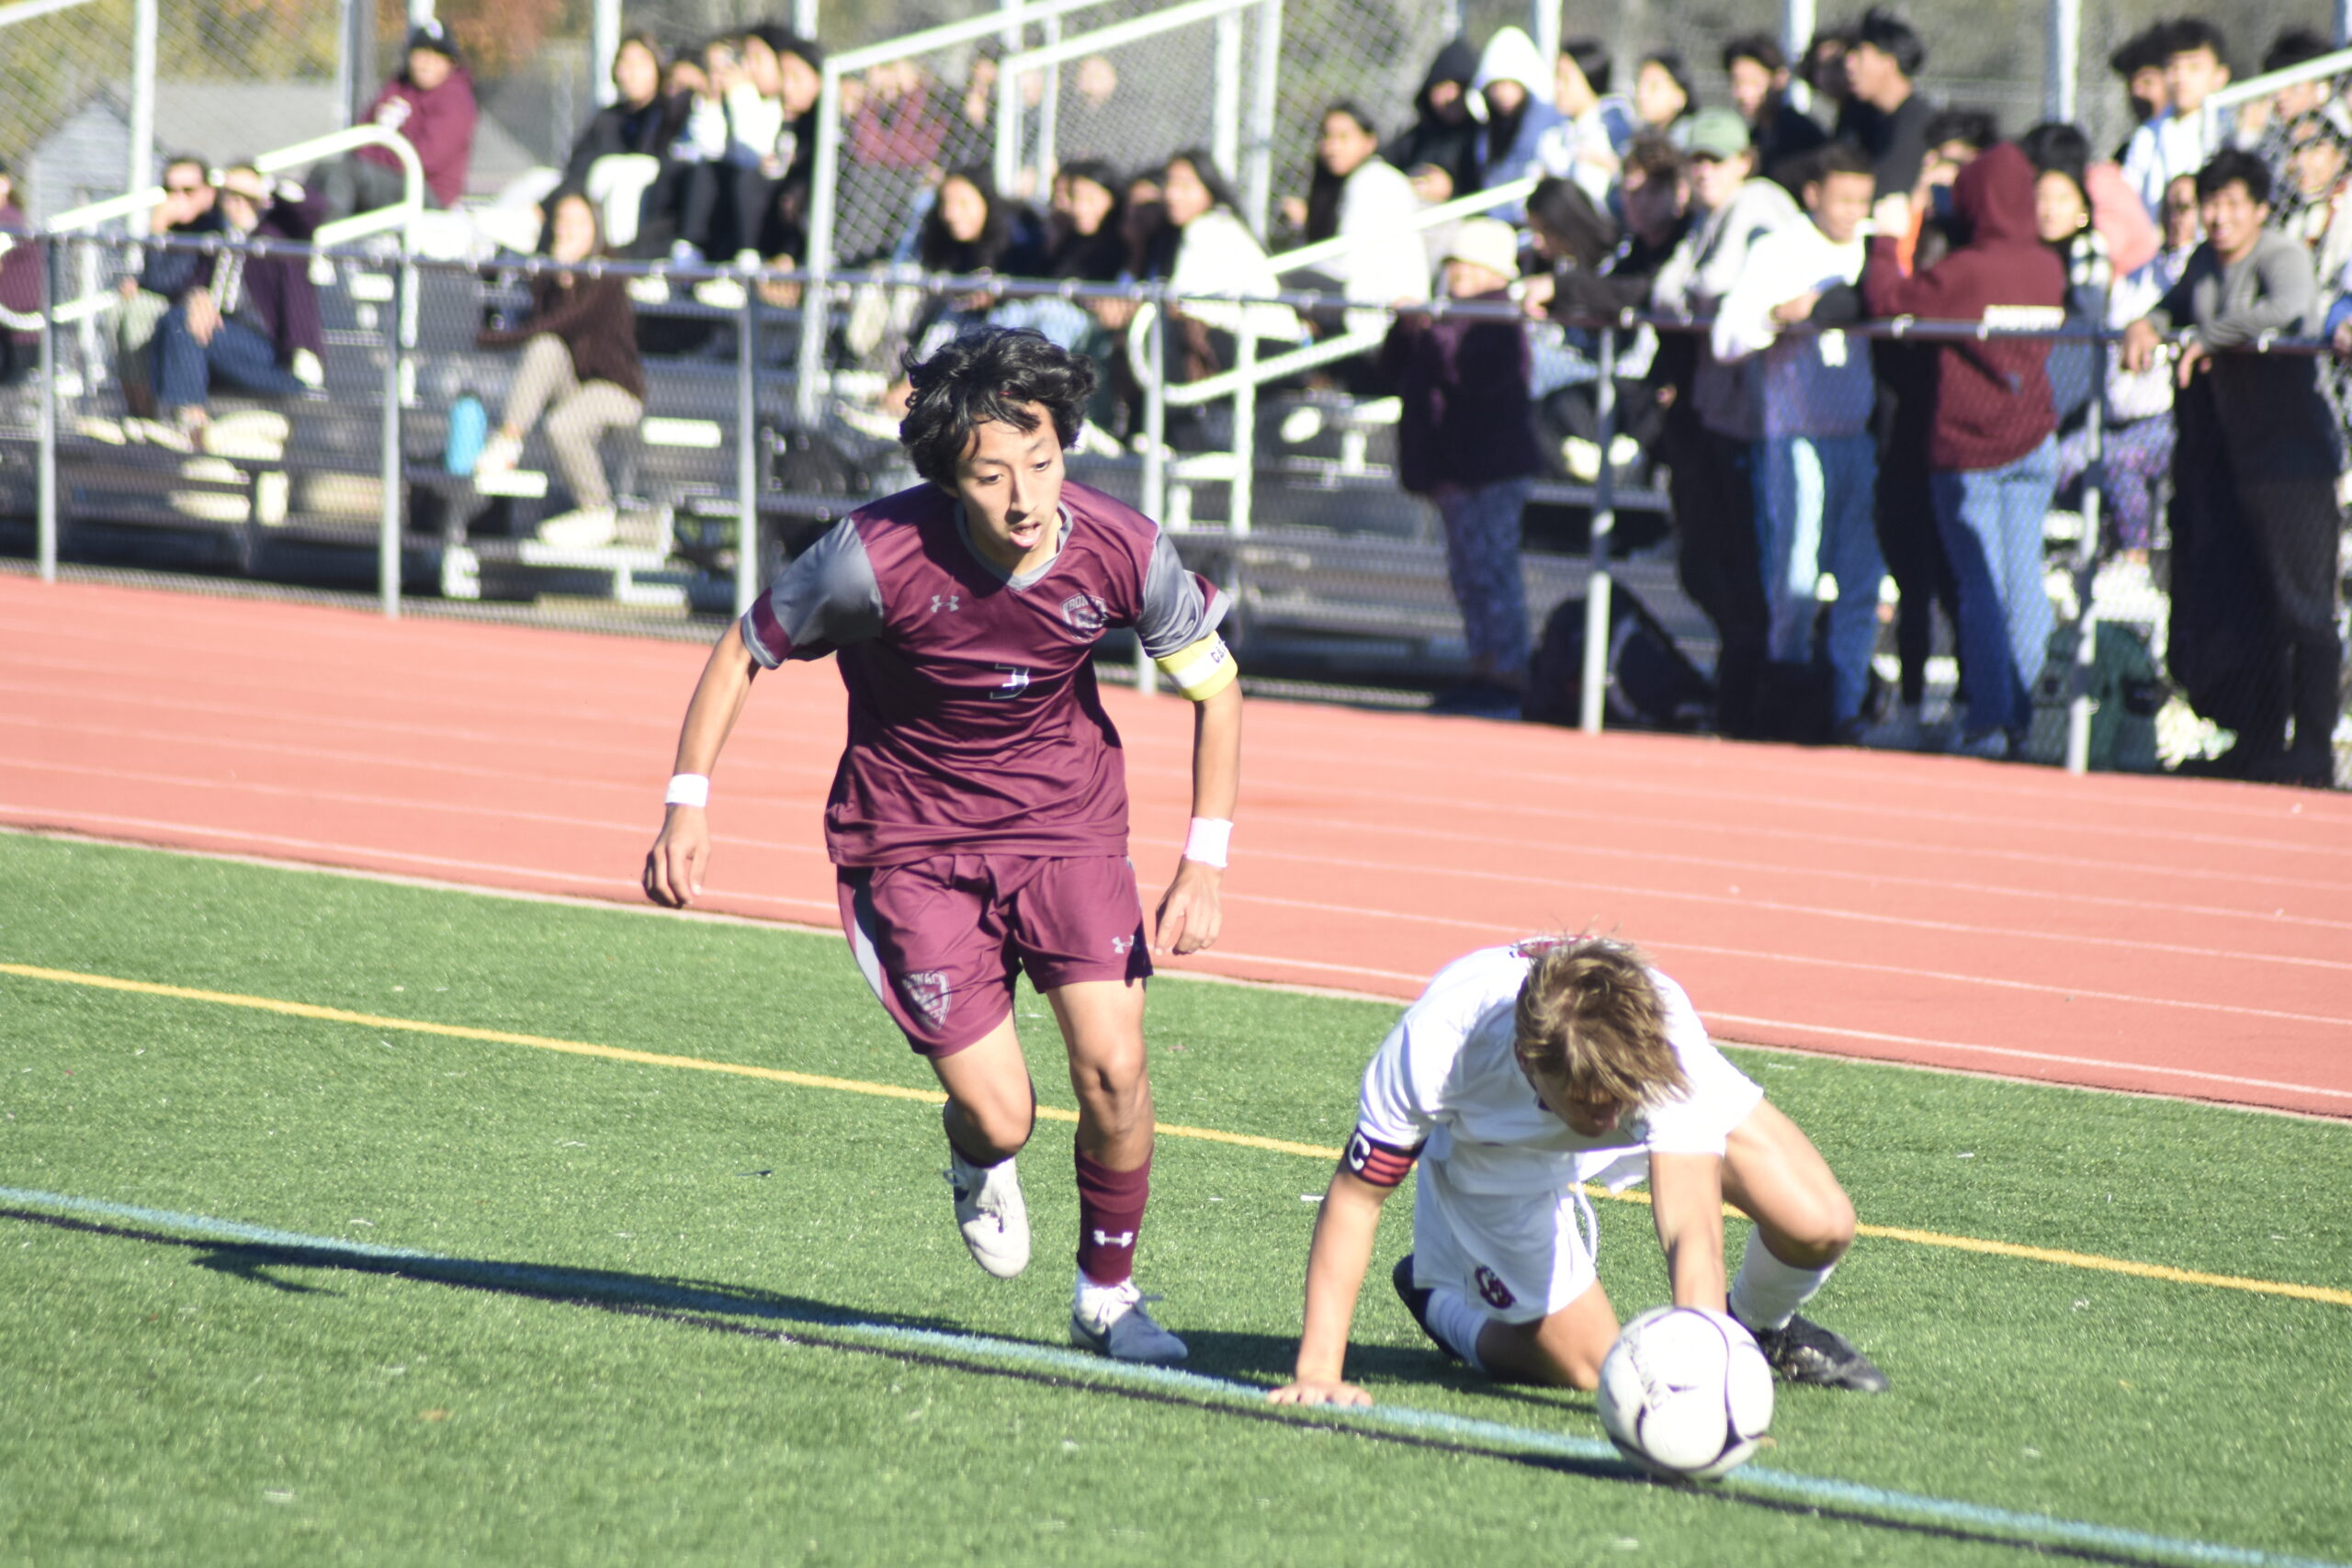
(1447, 1084)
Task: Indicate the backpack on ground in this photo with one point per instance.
(1651, 685)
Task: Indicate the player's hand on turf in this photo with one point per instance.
(673, 867)
(1191, 911)
(1314, 1391)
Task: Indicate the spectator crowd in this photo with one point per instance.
(1755, 235)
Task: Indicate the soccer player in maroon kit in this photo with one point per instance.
(978, 819)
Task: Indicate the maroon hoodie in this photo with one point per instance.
(1993, 402)
(438, 124)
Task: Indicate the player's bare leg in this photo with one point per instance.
(991, 1108)
(1804, 1222)
(1102, 1026)
(1562, 1350)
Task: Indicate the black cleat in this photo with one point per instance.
(1805, 1352)
(1417, 1302)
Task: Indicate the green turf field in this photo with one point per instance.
(668, 1315)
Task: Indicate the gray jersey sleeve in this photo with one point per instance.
(1180, 607)
(827, 598)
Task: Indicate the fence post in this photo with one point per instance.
(1594, 695)
(45, 506)
(1155, 450)
(1049, 121)
(1225, 116)
(388, 521)
(1257, 153)
(747, 448)
(825, 190)
(2078, 679)
(1245, 430)
(141, 172)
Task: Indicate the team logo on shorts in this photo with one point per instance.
(928, 993)
(1087, 615)
(1496, 1292)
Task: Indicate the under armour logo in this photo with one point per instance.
(1121, 944)
(1016, 681)
(951, 602)
(1104, 1238)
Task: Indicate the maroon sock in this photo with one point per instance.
(1110, 1217)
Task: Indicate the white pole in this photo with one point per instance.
(1544, 25)
(1798, 21)
(142, 171)
(1007, 171)
(2063, 61)
(826, 180)
(2343, 23)
(1225, 139)
(604, 42)
(1049, 121)
(804, 20)
(1258, 157)
(419, 12)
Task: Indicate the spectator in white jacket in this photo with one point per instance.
(1358, 197)
(1817, 474)
(2183, 138)
(1216, 254)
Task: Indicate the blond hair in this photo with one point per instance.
(1589, 1022)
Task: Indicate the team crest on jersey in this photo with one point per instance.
(928, 992)
(1087, 615)
(1491, 1286)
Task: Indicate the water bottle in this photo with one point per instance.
(469, 428)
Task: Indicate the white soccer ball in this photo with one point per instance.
(1685, 1391)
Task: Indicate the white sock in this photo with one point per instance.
(1768, 1292)
(1098, 1305)
(1457, 1323)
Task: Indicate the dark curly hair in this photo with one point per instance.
(992, 373)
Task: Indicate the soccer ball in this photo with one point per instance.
(1685, 1391)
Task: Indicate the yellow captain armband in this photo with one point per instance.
(1200, 670)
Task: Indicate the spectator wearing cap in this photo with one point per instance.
(1992, 453)
(1782, 134)
(1514, 87)
(1712, 430)
(2252, 638)
(249, 320)
(431, 105)
(1465, 440)
(1882, 62)
(2180, 140)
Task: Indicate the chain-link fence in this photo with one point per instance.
(230, 81)
(2108, 565)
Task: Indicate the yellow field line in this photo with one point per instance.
(1054, 1113)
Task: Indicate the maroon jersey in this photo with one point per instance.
(973, 721)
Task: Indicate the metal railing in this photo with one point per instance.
(1237, 467)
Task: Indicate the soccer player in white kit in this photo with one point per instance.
(1522, 1072)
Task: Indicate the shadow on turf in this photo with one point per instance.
(755, 1313)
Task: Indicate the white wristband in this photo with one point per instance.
(1208, 840)
(688, 789)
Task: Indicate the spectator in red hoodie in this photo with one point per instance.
(431, 104)
(1992, 458)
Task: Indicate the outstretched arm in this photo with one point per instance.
(1191, 911)
(1687, 1202)
(1335, 1268)
(673, 867)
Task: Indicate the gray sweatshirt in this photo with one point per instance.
(2272, 413)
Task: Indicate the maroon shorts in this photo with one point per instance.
(941, 939)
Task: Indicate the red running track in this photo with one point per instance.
(2166, 936)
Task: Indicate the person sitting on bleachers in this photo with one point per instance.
(637, 129)
(20, 283)
(431, 105)
(187, 207)
(249, 320)
(580, 367)
(1443, 134)
(1358, 195)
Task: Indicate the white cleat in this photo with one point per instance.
(1114, 1323)
(991, 1212)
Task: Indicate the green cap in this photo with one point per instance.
(1716, 133)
